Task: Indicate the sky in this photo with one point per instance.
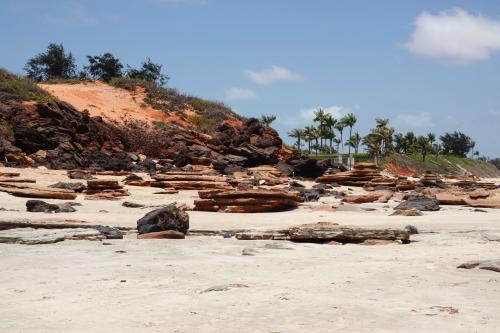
(429, 66)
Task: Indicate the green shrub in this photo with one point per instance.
(203, 123)
(7, 130)
(13, 87)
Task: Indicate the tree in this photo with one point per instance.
(432, 138)
(373, 143)
(410, 139)
(320, 117)
(267, 120)
(330, 122)
(54, 63)
(298, 134)
(424, 146)
(456, 143)
(150, 72)
(309, 136)
(339, 126)
(349, 120)
(354, 142)
(104, 67)
(400, 144)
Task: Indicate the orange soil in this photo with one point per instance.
(113, 104)
(400, 171)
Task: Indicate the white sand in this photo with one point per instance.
(74, 286)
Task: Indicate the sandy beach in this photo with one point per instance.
(206, 284)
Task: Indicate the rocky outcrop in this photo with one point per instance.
(36, 191)
(56, 135)
(361, 174)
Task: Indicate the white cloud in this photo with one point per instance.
(240, 93)
(422, 119)
(455, 35)
(495, 113)
(267, 76)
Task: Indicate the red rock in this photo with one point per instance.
(167, 234)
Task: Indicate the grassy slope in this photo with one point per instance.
(445, 165)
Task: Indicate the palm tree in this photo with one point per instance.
(354, 142)
(316, 135)
(381, 122)
(349, 120)
(374, 144)
(400, 143)
(319, 116)
(339, 126)
(330, 122)
(267, 120)
(431, 137)
(309, 136)
(410, 139)
(423, 145)
(298, 134)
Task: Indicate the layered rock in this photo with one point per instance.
(246, 201)
(361, 174)
(101, 189)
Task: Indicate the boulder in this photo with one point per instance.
(169, 217)
(419, 203)
(445, 198)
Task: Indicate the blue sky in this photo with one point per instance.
(430, 66)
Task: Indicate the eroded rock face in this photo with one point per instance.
(58, 136)
(169, 217)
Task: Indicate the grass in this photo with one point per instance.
(444, 164)
(360, 157)
(7, 130)
(13, 87)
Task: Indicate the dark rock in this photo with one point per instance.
(419, 203)
(412, 229)
(80, 175)
(130, 204)
(108, 232)
(44, 207)
(133, 178)
(77, 187)
(167, 218)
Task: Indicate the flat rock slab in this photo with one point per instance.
(31, 236)
(491, 265)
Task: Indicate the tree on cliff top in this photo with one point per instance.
(54, 63)
(104, 67)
